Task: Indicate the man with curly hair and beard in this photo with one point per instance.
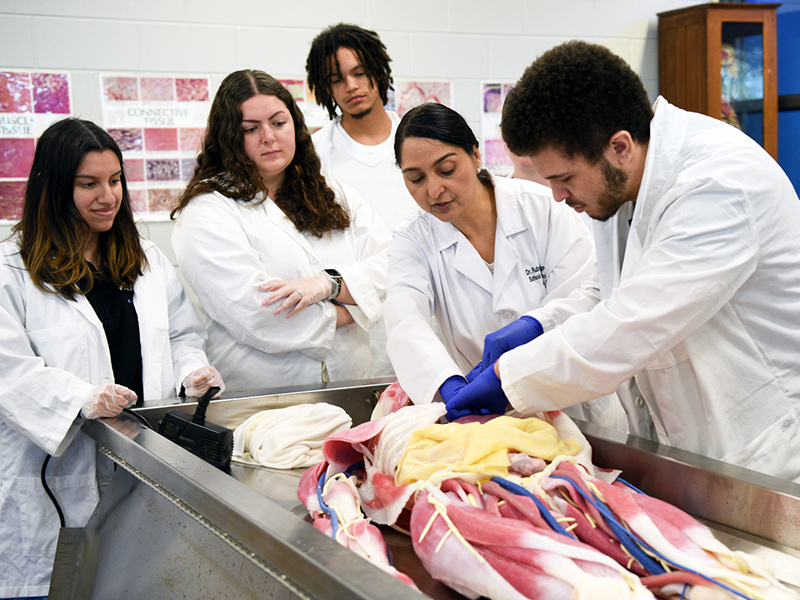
(349, 73)
(693, 315)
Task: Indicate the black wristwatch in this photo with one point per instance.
(336, 277)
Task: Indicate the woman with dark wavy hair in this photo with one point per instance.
(92, 319)
(289, 267)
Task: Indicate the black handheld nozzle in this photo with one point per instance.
(213, 443)
(202, 404)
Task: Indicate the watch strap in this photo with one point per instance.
(336, 278)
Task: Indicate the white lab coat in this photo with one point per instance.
(542, 252)
(226, 248)
(53, 353)
(373, 172)
(703, 309)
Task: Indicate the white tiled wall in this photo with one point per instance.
(466, 41)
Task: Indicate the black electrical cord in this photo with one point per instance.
(47, 458)
(49, 493)
(139, 417)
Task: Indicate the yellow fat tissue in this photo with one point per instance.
(479, 448)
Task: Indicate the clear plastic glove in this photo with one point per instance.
(484, 396)
(297, 294)
(107, 400)
(516, 333)
(198, 381)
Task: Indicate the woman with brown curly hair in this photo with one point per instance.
(289, 267)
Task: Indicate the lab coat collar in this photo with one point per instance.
(510, 222)
(276, 216)
(466, 260)
(148, 292)
(667, 132)
(444, 234)
(469, 263)
(84, 307)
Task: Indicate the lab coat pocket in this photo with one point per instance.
(774, 451)
(65, 347)
(39, 524)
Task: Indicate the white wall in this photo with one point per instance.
(465, 41)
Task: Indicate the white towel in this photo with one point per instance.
(288, 438)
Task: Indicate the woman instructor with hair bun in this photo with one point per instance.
(483, 252)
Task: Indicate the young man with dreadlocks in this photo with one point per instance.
(349, 74)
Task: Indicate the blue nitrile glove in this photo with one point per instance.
(516, 333)
(483, 396)
(451, 387)
(476, 370)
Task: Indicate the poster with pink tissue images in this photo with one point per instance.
(314, 115)
(158, 122)
(495, 157)
(29, 102)
(410, 93)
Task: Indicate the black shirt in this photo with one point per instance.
(114, 307)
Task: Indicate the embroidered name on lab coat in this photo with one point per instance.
(536, 273)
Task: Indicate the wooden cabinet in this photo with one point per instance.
(720, 59)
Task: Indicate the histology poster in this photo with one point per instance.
(410, 93)
(495, 157)
(29, 102)
(158, 122)
(314, 115)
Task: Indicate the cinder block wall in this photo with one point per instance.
(465, 41)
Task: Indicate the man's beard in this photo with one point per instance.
(362, 114)
(611, 197)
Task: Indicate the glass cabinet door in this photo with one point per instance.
(742, 75)
(720, 59)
